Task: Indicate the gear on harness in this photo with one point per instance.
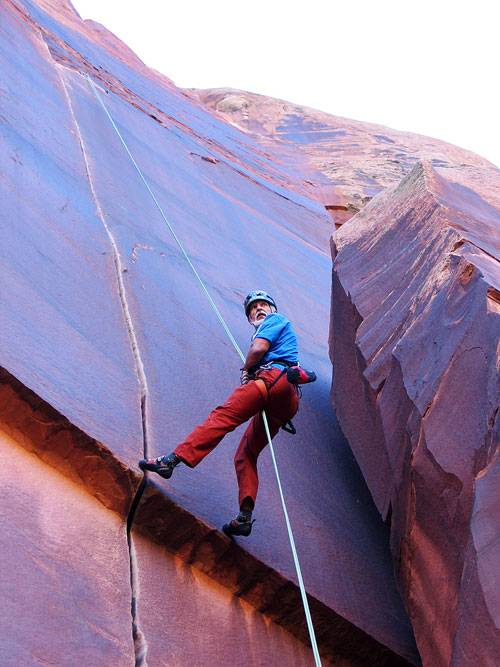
(294, 374)
(298, 375)
(289, 427)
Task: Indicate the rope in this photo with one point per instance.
(221, 319)
(238, 350)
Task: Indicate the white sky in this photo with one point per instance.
(429, 67)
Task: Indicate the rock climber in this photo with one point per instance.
(269, 381)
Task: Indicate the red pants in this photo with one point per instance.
(246, 401)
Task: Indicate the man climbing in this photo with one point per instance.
(264, 385)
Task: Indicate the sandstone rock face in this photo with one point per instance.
(65, 568)
(67, 591)
(202, 622)
(350, 161)
(110, 352)
(414, 343)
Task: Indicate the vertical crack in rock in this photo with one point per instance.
(140, 644)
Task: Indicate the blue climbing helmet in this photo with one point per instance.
(258, 295)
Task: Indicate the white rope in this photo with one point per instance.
(238, 350)
(310, 625)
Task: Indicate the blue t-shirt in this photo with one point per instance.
(278, 331)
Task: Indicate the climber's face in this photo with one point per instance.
(258, 311)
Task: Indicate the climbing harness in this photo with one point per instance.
(307, 612)
(265, 388)
(294, 374)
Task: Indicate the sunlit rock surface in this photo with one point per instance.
(65, 584)
(351, 161)
(415, 336)
(111, 352)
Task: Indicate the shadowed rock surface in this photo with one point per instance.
(415, 336)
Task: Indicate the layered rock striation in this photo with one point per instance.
(110, 353)
(415, 346)
(350, 161)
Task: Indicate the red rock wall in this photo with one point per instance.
(414, 344)
(66, 590)
(65, 568)
(112, 352)
(188, 619)
(350, 161)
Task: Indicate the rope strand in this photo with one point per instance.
(242, 357)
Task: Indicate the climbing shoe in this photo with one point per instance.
(241, 526)
(163, 465)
